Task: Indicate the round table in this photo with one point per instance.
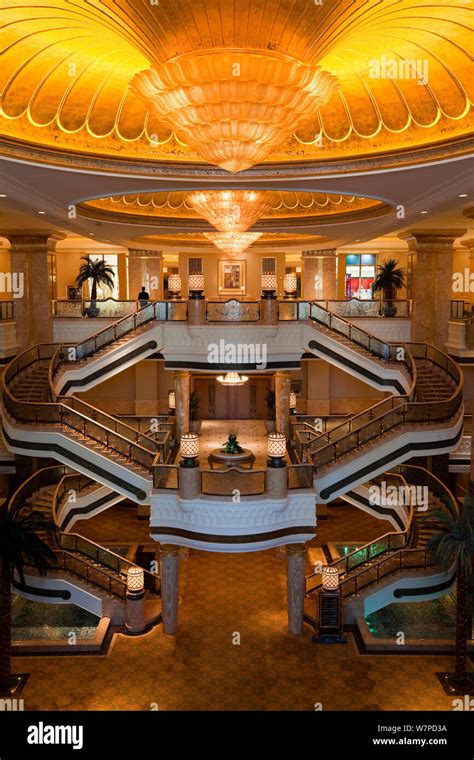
(219, 456)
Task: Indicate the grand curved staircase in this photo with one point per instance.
(84, 573)
(423, 416)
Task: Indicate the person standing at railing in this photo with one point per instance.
(143, 297)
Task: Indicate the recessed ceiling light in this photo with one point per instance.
(41, 212)
(3, 195)
(423, 212)
(91, 233)
(462, 195)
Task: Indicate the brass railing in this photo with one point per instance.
(293, 311)
(232, 310)
(391, 412)
(127, 442)
(233, 480)
(107, 308)
(161, 311)
(299, 476)
(360, 337)
(67, 546)
(356, 307)
(165, 476)
(6, 310)
(394, 544)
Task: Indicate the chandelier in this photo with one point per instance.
(231, 210)
(233, 242)
(234, 106)
(232, 378)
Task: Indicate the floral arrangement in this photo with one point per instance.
(231, 446)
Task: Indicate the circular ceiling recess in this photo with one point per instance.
(232, 210)
(234, 84)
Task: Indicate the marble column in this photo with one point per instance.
(282, 401)
(144, 270)
(296, 554)
(182, 390)
(29, 269)
(471, 470)
(431, 286)
(169, 555)
(319, 275)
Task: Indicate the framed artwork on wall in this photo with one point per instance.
(232, 279)
(74, 293)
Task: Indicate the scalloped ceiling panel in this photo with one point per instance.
(403, 69)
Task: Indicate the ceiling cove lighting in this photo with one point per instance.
(233, 242)
(234, 106)
(232, 379)
(231, 210)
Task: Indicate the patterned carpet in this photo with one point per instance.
(224, 597)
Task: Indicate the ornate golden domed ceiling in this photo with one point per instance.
(197, 241)
(399, 70)
(278, 209)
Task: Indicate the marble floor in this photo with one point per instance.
(251, 434)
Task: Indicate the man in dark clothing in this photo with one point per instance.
(143, 297)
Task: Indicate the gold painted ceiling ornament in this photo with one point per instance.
(233, 242)
(233, 107)
(231, 210)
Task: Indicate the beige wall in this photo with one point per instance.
(210, 271)
(143, 389)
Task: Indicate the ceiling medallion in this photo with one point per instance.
(233, 107)
(233, 242)
(231, 210)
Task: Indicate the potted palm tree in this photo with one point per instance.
(453, 546)
(97, 271)
(194, 421)
(270, 402)
(20, 543)
(389, 279)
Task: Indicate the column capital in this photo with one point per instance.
(181, 374)
(469, 243)
(144, 253)
(296, 550)
(285, 374)
(426, 239)
(29, 241)
(319, 254)
(169, 550)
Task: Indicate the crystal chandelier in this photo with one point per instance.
(233, 242)
(232, 378)
(234, 106)
(231, 210)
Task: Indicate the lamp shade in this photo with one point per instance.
(135, 579)
(292, 400)
(174, 283)
(276, 445)
(196, 282)
(172, 400)
(330, 578)
(269, 282)
(290, 283)
(190, 445)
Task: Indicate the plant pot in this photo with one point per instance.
(270, 426)
(195, 426)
